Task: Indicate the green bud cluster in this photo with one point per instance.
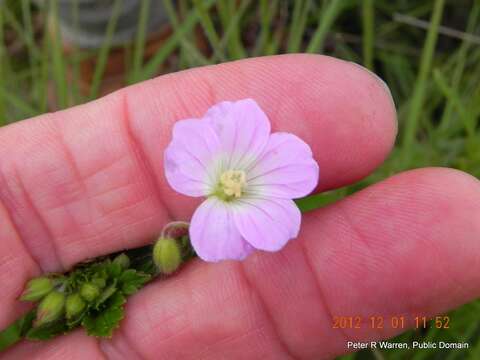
(93, 293)
(71, 296)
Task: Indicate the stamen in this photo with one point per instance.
(232, 182)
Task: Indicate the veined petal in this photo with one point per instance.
(286, 169)
(267, 224)
(192, 158)
(243, 130)
(214, 235)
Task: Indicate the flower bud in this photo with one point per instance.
(123, 261)
(74, 305)
(50, 308)
(100, 282)
(167, 255)
(89, 291)
(36, 289)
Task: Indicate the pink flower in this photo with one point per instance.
(247, 175)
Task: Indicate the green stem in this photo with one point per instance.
(16, 331)
(368, 28)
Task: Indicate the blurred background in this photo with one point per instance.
(56, 54)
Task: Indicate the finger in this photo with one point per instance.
(405, 247)
(89, 180)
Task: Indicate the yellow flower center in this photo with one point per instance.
(232, 183)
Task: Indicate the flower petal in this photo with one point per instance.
(267, 224)
(213, 233)
(192, 158)
(286, 169)
(243, 130)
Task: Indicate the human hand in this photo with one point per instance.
(89, 180)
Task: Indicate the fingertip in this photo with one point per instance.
(462, 182)
(384, 123)
(456, 186)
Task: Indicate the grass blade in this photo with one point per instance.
(140, 37)
(75, 55)
(268, 9)
(17, 103)
(368, 25)
(418, 97)
(44, 72)
(454, 99)
(193, 55)
(59, 72)
(3, 56)
(231, 37)
(460, 66)
(297, 27)
(104, 50)
(325, 22)
(209, 29)
(230, 16)
(20, 31)
(169, 46)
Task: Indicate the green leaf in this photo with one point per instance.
(47, 331)
(103, 323)
(106, 294)
(131, 280)
(148, 267)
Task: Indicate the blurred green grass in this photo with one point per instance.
(432, 71)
